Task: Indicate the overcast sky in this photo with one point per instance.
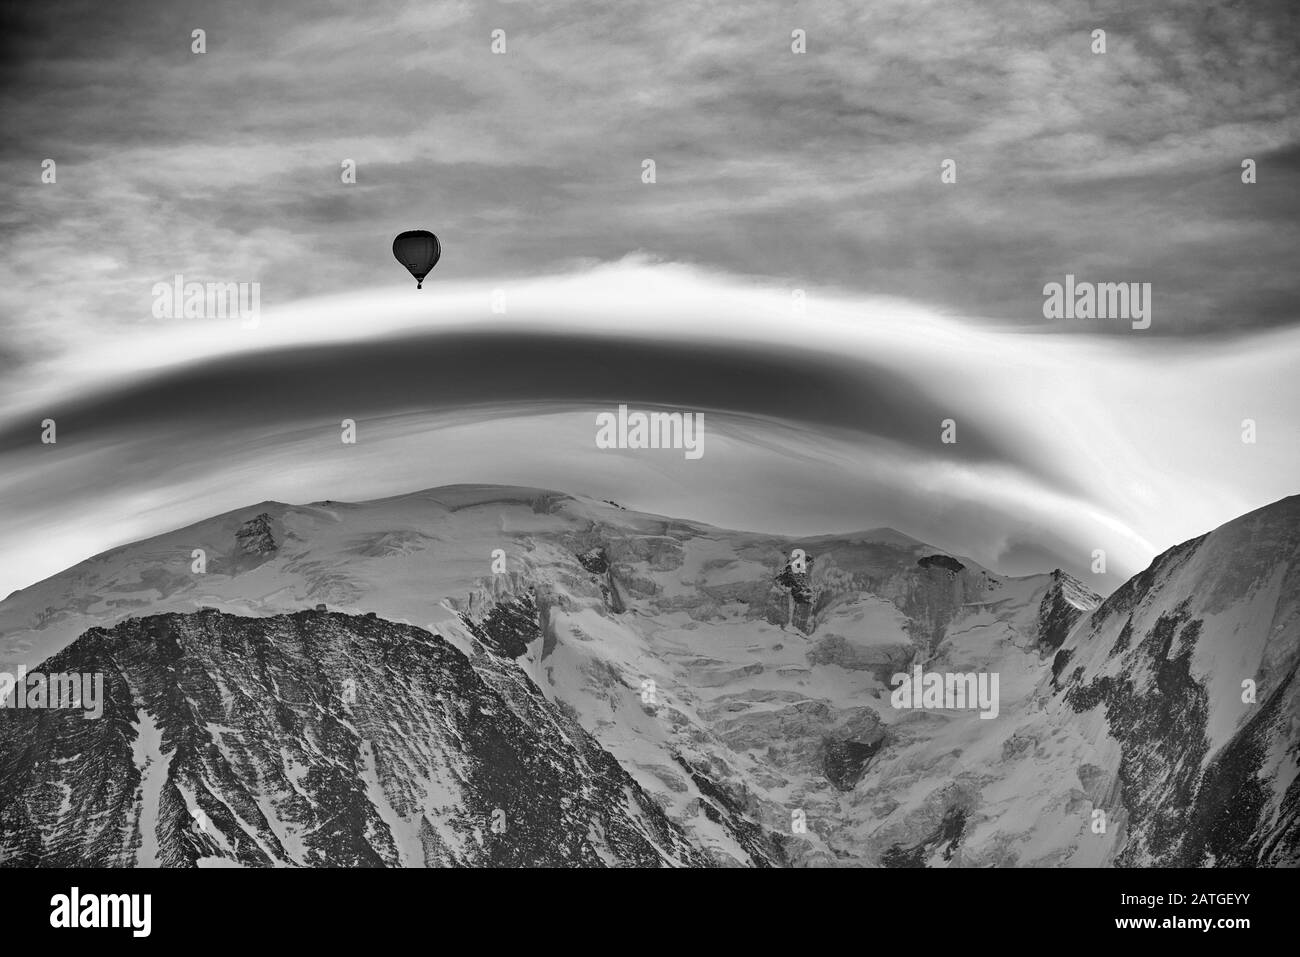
(774, 171)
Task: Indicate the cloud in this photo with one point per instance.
(825, 422)
(819, 169)
(775, 171)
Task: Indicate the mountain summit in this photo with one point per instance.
(488, 675)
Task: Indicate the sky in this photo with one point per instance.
(774, 172)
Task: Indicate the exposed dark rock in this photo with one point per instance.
(1229, 826)
(947, 835)
(595, 561)
(510, 627)
(245, 720)
(846, 761)
(733, 814)
(1064, 603)
(325, 739)
(790, 600)
(1162, 733)
(797, 583)
(1058, 665)
(1125, 636)
(254, 536)
(941, 561)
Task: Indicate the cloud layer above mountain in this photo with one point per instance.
(776, 171)
(828, 421)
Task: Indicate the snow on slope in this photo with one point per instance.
(313, 739)
(1193, 665)
(737, 693)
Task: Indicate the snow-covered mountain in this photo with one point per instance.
(1190, 669)
(697, 694)
(313, 739)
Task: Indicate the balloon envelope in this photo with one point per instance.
(419, 251)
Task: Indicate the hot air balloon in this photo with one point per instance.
(418, 250)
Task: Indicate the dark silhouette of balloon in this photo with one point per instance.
(419, 251)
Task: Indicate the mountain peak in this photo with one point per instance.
(320, 740)
(738, 679)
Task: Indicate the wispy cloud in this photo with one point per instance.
(821, 168)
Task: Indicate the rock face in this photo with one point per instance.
(313, 739)
(1193, 664)
(791, 601)
(692, 696)
(941, 561)
(596, 562)
(254, 536)
(1066, 601)
(509, 626)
